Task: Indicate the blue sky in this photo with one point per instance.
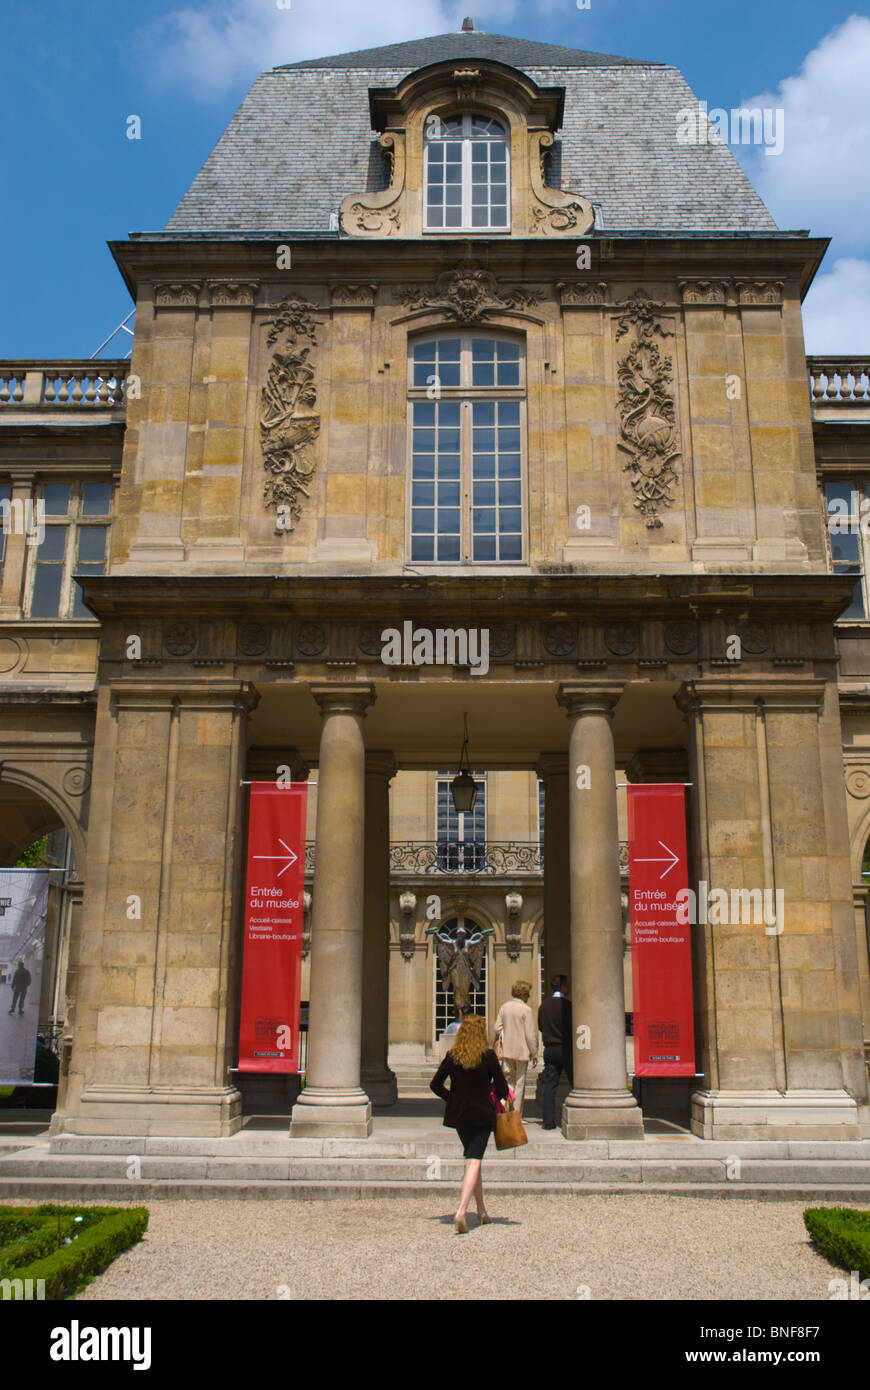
(72, 74)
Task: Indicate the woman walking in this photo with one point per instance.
(473, 1071)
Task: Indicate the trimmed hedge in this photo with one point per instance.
(29, 1243)
(844, 1236)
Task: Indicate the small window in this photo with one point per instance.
(76, 530)
(466, 176)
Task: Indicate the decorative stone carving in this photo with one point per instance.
(253, 639)
(501, 640)
(354, 296)
(407, 932)
(512, 933)
(233, 294)
(702, 291)
(554, 212)
(467, 295)
(180, 639)
(581, 292)
(858, 782)
(311, 639)
(289, 423)
(754, 638)
(370, 639)
(560, 639)
(377, 214)
(647, 408)
(76, 780)
(759, 292)
(681, 638)
(621, 639)
(177, 294)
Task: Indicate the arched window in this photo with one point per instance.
(467, 397)
(466, 174)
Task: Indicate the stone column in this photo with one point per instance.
(553, 770)
(153, 961)
(379, 1083)
(600, 1106)
(333, 1104)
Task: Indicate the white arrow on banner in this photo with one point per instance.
(288, 855)
(671, 861)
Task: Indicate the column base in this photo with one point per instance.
(165, 1112)
(796, 1115)
(380, 1085)
(601, 1115)
(326, 1112)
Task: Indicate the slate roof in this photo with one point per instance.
(301, 141)
(501, 48)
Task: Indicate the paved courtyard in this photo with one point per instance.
(537, 1247)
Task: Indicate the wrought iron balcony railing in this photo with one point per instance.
(490, 858)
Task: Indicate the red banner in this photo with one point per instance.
(661, 953)
(274, 908)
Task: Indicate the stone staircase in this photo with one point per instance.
(410, 1157)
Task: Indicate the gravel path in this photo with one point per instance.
(547, 1247)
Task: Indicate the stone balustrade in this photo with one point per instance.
(840, 381)
(87, 384)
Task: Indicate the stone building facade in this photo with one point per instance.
(438, 338)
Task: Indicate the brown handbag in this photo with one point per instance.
(509, 1131)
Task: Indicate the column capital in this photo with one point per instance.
(552, 765)
(343, 697)
(380, 763)
(581, 698)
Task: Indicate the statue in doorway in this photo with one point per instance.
(460, 958)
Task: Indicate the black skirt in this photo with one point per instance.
(474, 1139)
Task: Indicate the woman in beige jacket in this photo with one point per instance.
(515, 1030)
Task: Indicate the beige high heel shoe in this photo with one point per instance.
(461, 1225)
(484, 1218)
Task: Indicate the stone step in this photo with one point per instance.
(76, 1190)
(536, 1166)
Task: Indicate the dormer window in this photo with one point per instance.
(466, 174)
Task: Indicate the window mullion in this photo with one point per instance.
(466, 184)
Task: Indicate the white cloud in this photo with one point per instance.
(820, 180)
(213, 47)
(837, 309)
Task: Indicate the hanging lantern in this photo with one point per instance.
(463, 788)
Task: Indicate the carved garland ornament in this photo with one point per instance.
(647, 409)
(467, 295)
(289, 423)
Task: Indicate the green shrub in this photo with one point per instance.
(30, 1248)
(843, 1234)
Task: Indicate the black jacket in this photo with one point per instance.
(554, 1021)
(468, 1100)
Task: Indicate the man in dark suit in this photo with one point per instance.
(554, 1021)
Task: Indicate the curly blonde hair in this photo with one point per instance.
(471, 1042)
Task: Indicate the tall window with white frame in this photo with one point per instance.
(75, 542)
(848, 543)
(467, 418)
(467, 168)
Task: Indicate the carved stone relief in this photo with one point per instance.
(467, 295)
(647, 408)
(378, 214)
(289, 422)
(554, 212)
